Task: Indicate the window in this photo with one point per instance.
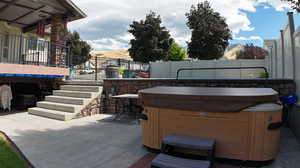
(5, 45)
(32, 43)
(41, 45)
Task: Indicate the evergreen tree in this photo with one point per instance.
(210, 33)
(80, 50)
(151, 41)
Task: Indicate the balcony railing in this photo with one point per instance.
(17, 49)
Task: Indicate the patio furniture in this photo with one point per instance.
(122, 99)
(167, 161)
(245, 122)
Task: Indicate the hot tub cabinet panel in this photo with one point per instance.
(243, 135)
(250, 134)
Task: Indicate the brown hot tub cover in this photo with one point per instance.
(207, 98)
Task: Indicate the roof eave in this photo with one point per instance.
(79, 13)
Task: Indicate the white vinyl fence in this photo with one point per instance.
(169, 69)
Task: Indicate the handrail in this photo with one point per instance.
(191, 69)
(31, 50)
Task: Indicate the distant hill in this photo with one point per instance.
(116, 54)
(103, 56)
(232, 50)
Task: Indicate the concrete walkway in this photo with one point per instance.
(97, 142)
(91, 142)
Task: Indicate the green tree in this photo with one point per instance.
(151, 41)
(210, 32)
(295, 4)
(80, 50)
(176, 53)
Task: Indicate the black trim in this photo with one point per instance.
(144, 117)
(275, 126)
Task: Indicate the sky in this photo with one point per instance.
(106, 27)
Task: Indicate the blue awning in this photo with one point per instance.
(31, 76)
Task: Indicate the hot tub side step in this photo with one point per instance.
(188, 142)
(167, 161)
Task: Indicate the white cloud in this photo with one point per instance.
(125, 37)
(251, 38)
(277, 4)
(106, 44)
(266, 7)
(109, 20)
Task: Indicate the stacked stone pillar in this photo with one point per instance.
(58, 40)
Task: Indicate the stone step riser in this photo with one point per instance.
(65, 100)
(80, 88)
(72, 94)
(62, 108)
(48, 115)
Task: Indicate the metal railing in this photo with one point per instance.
(18, 49)
(95, 69)
(220, 68)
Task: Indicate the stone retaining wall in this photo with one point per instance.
(113, 87)
(91, 109)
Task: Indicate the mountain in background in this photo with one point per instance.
(232, 51)
(103, 56)
(115, 54)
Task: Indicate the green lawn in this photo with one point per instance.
(8, 158)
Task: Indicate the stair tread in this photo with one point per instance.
(51, 111)
(53, 114)
(81, 86)
(64, 97)
(69, 91)
(167, 161)
(60, 104)
(189, 142)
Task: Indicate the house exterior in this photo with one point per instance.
(22, 51)
(33, 49)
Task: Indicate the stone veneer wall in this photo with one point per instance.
(123, 86)
(58, 39)
(91, 109)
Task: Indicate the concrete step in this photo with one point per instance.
(66, 100)
(83, 82)
(75, 94)
(59, 106)
(81, 88)
(53, 114)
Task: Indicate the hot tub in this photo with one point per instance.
(244, 121)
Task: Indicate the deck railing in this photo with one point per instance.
(18, 49)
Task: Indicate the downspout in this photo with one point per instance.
(292, 31)
(282, 53)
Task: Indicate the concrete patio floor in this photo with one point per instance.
(91, 142)
(96, 142)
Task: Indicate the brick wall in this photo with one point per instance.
(123, 86)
